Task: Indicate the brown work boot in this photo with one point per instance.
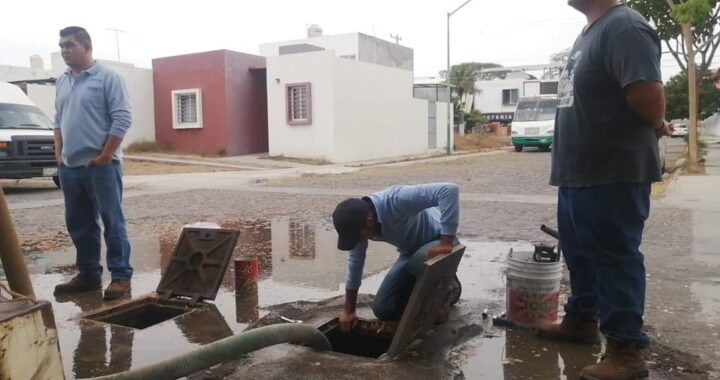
(622, 361)
(572, 329)
(78, 284)
(116, 289)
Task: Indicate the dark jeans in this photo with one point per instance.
(394, 292)
(601, 230)
(92, 192)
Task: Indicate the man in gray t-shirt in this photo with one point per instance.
(611, 109)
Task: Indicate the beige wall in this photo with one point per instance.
(315, 141)
(361, 111)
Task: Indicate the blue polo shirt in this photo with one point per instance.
(90, 107)
(411, 216)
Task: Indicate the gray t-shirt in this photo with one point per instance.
(598, 139)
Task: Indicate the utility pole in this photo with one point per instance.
(693, 87)
(396, 37)
(11, 256)
(447, 81)
(117, 40)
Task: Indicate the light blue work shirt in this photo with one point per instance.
(411, 216)
(88, 109)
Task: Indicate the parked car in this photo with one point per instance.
(681, 130)
(27, 145)
(534, 122)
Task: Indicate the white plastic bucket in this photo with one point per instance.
(533, 290)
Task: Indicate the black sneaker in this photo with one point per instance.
(452, 296)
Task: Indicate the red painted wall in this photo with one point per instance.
(246, 100)
(234, 103)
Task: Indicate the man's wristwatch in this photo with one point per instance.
(661, 126)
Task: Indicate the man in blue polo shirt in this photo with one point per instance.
(92, 117)
(421, 221)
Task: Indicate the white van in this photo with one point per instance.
(27, 146)
(534, 122)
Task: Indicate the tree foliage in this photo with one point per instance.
(474, 118)
(560, 58)
(704, 16)
(463, 76)
(676, 95)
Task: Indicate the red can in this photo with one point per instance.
(246, 273)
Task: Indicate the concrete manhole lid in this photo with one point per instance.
(426, 298)
(198, 263)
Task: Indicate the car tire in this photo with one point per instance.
(545, 148)
(518, 148)
(56, 179)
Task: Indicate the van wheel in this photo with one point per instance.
(545, 148)
(56, 179)
(518, 148)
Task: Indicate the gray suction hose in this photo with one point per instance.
(225, 350)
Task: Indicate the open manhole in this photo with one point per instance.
(370, 339)
(194, 274)
(373, 338)
(140, 314)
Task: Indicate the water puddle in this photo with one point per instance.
(517, 354)
(708, 297)
(512, 353)
(298, 262)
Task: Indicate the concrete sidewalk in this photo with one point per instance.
(262, 162)
(696, 268)
(701, 195)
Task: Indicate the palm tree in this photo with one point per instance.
(464, 76)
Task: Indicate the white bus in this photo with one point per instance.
(534, 122)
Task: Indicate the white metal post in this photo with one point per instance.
(447, 80)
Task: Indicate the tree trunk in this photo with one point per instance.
(692, 98)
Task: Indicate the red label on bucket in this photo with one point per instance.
(532, 308)
(246, 273)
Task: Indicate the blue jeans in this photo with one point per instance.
(395, 290)
(91, 192)
(601, 230)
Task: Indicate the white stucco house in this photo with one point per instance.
(38, 84)
(347, 98)
(497, 98)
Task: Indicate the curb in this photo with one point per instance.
(431, 158)
(173, 161)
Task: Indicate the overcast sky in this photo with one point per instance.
(509, 32)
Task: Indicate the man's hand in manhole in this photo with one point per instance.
(348, 321)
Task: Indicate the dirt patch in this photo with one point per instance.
(477, 141)
(305, 161)
(147, 147)
(44, 242)
(659, 188)
(133, 167)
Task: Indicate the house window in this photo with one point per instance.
(302, 240)
(299, 104)
(187, 108)
(548, 88)
(510, 97)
